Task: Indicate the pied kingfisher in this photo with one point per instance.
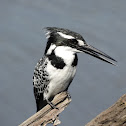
(56, 70)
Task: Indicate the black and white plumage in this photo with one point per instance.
(56, 70)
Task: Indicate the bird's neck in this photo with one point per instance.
(68, 56)
(65, 53)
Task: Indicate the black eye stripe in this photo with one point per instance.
(72, 41)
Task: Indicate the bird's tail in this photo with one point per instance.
(40, 103)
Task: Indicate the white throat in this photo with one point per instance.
(66, 53)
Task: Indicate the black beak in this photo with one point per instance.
(97, 53)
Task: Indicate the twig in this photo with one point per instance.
(47, 114)
(113, 116)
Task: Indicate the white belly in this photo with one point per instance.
(59, 79)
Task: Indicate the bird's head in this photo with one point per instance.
(74, 41)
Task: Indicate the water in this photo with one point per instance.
(97, 85)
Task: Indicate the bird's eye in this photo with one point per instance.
(73, 41)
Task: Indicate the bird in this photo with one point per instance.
(55, 71)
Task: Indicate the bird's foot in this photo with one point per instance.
(68, 95)
(51, 104)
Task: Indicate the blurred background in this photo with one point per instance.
(96, 86)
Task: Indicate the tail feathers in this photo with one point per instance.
(40, 103)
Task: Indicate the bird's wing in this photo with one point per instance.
(40, 82)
